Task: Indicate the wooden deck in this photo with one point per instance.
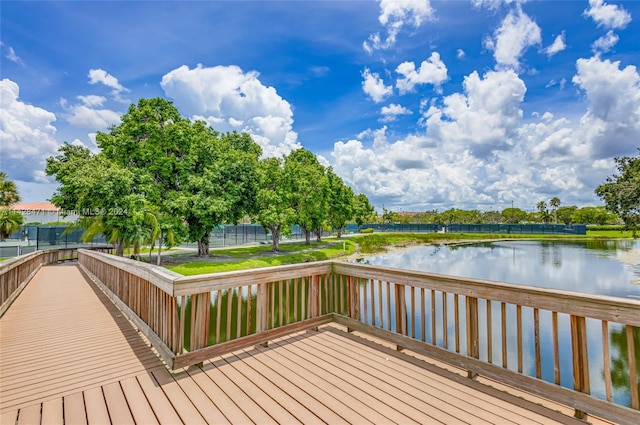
(68, 355)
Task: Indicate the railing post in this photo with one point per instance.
(580, 358)
(314, 297)
(200, 312)
(401, 312)
(473, 349)
(262, 307)
(353, 298)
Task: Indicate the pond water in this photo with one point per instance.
(594, 267)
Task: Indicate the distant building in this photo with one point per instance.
(42, 212)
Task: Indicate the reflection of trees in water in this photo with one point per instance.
(620, 363)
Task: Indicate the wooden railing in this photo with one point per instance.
(478, 325)
(16, 273)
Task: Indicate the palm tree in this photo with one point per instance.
(555, 203)
(8, 192)
(10, 221)
(542, 208)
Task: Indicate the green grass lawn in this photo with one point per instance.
(335, 250)
(610, 234)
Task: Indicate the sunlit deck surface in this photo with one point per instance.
(68, 355)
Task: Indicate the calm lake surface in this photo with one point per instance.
(593, 267)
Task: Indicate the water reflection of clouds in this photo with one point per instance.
(574, 266)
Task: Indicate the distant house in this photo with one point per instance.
(42, 212)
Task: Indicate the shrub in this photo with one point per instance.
(367, 230)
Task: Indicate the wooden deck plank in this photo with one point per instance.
(253, 410)
(291, 404)
(317, 389)
(9, 417)
(430, 386)
(226, 404)
(96, 406)
(479, 402)
(421, 408)
(117, 404)
(74, 409)
(207, 408)
(369, 405)
(162, 407)
(297, 392)
(138, 403)
(52, 413)
(181, 403)
(101, 348)
(30, 415)
(257, 394)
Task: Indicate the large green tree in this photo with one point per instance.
(8, 191)
(274, 210)
(110, 198)
(340, 206)
(621, 192)
(363, 211)
(221, 183)
(513, 215)
(309, 190)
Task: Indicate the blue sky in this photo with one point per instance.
(420, 105)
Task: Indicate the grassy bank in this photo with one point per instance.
(261, 256)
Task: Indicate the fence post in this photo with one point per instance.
(200, 315)
(473, 349)
(401, 312)
(353, 299)
(262, 307)
(580, 358)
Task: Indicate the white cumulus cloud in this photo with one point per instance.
(27, 135)
(557, 46)
(605, 43)
(394, 14)
(511, 40)
(611, 125)
(374, 86)
(391, 112)
(484, 118)
(608, 15)
(432, 71)
(88, 115)
(230, 99)
(100, 76)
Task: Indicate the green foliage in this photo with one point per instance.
(8, 191)
(340, 207)
(307, 181)
(513, 215)
(368, 230)
(593, 215)
(621, 192)
(10, 221)
(363, 211)
(274, 199)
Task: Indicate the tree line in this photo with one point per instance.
(159, 176)
(599, 215)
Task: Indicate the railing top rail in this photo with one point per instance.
(600, 307)
(16, 261)
(159, 276)
(186, 285)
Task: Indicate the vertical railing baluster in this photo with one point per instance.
(633, 378)
(580, 358)
(606, 360)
